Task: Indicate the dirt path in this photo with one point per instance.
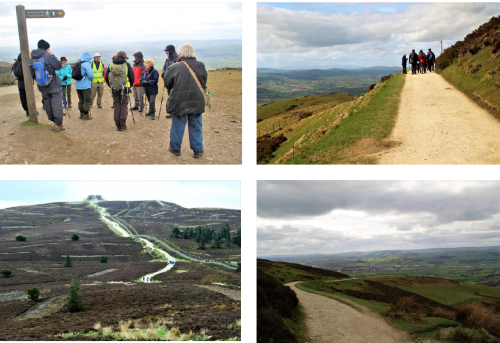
(331, 321)
(98, 142)
(437, 124)
(232, 293)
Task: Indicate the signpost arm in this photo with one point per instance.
(25, 54)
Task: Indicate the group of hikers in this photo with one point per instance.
(186, 99)
(420, 63)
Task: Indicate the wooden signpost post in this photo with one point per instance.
(22, 14)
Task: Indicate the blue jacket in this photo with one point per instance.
(88, 74)
(152, 81)
(65, 71)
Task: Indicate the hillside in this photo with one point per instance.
(473, 65)
(280, 318)
(187, 283)
(301, 105)
(6, 78)
(344, 134)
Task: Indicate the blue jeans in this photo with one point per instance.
(195, 125)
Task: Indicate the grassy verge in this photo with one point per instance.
(297, 323)
(329, 137)
(479, 78)
(32, 124)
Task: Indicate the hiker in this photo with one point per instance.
(404, 63)
(119, 77)
(84, 85)
(430, 60)
(139, 68)
(17, 72)
(422, 58)
(150, 83)
(413, 62)
(98, 81)
(43, 67)
(172, 57)
(186, 101)
(65, 76)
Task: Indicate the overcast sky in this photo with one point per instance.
(99, 23)
(222, 194)
(306, 217)
(326, 35)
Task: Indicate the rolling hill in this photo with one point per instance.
(473, 65)
(343, 133)
(194, 293)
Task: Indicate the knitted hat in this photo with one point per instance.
(43, 44)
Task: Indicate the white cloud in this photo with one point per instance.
(289, 37)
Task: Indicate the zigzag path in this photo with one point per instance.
(328, 320)
(438, 124)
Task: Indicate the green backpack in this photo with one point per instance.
(118, 77)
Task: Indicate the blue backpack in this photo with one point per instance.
(431, 56)
(42, 76)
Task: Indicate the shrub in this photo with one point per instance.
(461, 334)
(33, 293)
(478, 316)
(68, 262)
(74, 302)
(75, 237)
(238, 266)
(20, 238)
(441, 312)
(104, 259)
(6, 272)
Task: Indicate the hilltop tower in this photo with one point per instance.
(94, 198)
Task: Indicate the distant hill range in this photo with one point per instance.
(473, 65)
(279, 84)
(215, 54)
(316, 74)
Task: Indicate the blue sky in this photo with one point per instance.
(336, 35)
(224, 194)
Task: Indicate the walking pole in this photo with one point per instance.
(65, 106)
(130, 103)
(209, 96)
(161, 104)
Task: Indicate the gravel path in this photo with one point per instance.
(437, 124)
(331, 321)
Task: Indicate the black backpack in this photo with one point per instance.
(17, 69)
(77, 71)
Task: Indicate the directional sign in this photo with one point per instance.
(44, 14)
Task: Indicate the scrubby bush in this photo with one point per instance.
(104, 259)
(465, 335)
(33, 293)
(20, 238)
(441, 312)
(238, 266)
(74, 302)
(478, 316)
(6, 272)
(75, 237)
(68, 262)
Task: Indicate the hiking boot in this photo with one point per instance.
(112, 107)
(198, 154)
(86, 117)
(81, 115)
(175, 152)
(99, 106)
(135, 108)
(59, 128)
(27, 114)
(152, 116)
(168, 116)
(69, 105)
(140, 110)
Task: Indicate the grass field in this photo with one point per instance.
(345, 134)
(478, 76)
